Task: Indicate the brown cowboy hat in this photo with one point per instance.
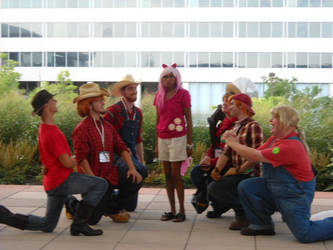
(232, 89)
(124, 82)
(90, 89)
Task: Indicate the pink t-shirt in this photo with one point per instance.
(172, 120)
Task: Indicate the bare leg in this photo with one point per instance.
(169, 185)
(178, 184)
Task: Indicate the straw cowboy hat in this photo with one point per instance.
(124, 82)
(90, 89)
(232, 88)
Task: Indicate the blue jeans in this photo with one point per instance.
(277, 190)
(92, 189)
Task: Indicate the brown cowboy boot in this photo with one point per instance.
(239, 223)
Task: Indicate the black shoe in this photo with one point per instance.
(180, 217)
(19, 221)
(77, 229)
(251, 232)
(167, 216)
(216, 213)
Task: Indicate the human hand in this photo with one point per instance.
(205, 161)
(189, 152)
(215, 174)
(136, 177)
(229, 136)
(231, 171)
(44, 170)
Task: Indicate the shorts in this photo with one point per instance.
(172, 149)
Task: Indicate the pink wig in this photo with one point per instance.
(160, 95)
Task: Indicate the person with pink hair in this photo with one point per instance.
(174, 135)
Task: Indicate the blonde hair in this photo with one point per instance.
(288, 116)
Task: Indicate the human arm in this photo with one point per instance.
(85, 167)
(140, 152)
(188, 116)
(67, 161)
(157, 121)
(136, 177)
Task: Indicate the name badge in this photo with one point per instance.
(104, 157)
(217, 153)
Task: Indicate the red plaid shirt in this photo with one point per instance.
(88, 145)
(115, 115)
(250, 134)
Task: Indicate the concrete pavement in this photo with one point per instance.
(145, 230)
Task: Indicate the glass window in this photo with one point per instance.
(242, 29)
(314, 3)
(25, 59)
(326, 30)
(37, 59)
(215, 60)
(130, 30)
(291, 3)
(150, 59)
(253, 3)
(130, 59)
(106, 59)
(155, 3)
(215, 3)
(50, 3)
(265, 29)
(241, 60)
(166, 58)
(83, 29)
(203, 60)
(119, 29)
(203, 3)
(277, 3)
(155, 29)
(167, 4)
(301, 60)
(302, 29)
(178, 57)
(14, 30)
(242, 3)
(252, 60)
(60, 59)
(227, 60)
(25, 29)
(50, 59)
(107, 29)
(97, 59)
(83, 59)
(107, 4)
(167, 30)
(276, 60)
(228, 29)
(83, 3)
(227, 3)
(252, 29)
(314, 60)
(291, 29)
(179, 29)
(277, 29)
(203, 29)
(265, 60)
(291, 60)
(4, 3)
(36, 29)
(119, 4)
(215, 29)
(179, 3)
(265, 3)
(327, 3)
(14, 56)
(72, 4)
(193, 59)
(72, 59)
(155, 60)
(98, 29)
(56, 29)
(302, 3)
(326, 60)
(4, 30)
(72, 29)
(314, 29)
(14, 4)
(193, 29)
(24, 4)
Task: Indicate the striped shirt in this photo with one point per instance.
(250, 134)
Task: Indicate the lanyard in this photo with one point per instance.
(127, 110)
(101, 133)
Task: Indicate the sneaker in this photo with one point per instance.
(251, 232)
(120, 217)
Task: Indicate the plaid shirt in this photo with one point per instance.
(115, 115)
(250, 134)
(88, 145)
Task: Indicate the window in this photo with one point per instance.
(194, 29)
(14, 56)
(193, 60)
(25, 30)
(277, 3)
(25, 59)
(252, 60)
(57, 29)
(241, 60)
(215, 60)
(215, 29)
(265, 29)
(227, 60)
(72, 4)
(107, 59)
(118, 59)
(215, 3)
(227, 3)
(155, 29)
(37, 59)
(119, 29)
(314, 30)
(253, 3)
(50, 59)
(60, 59)
(130, 59)
(107, 30)
(228, 30)
(301, 60)
(265, 60)
(203, 3)
(4, 30)
(252, 29)
(131, 30)
(326, 30)
(276, 60)
(302, 3)
(167, 30)
(277, 29)
(203, 60)
(291, 60)
(36, 29)
(327, 3)
(72, 59)
(314, 60)
(265, 3)
(302, 29)
(242, 29)
(291, 3)
(314, 3)
(203, 29)
(291, 30)
(166, 58)
(14, 30)
(178, 57)
(179, 30)
(326, 60)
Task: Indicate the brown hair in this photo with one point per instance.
(83, 105)
(241, 106)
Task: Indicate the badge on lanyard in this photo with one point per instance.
(104, 157)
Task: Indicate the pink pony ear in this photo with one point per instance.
(164, 65)
(174, 65)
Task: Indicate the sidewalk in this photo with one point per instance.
(145, 230)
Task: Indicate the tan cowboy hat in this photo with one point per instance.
(90, 89)
(125, 81)
(232, 88)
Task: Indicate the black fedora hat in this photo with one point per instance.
(39, 100)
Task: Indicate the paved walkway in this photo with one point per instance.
(145, 230)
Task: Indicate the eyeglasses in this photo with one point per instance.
(171, 76)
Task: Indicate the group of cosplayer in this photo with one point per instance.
(240, 171)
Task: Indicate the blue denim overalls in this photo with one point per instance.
(278, 190)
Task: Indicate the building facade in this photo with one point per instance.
(213, 42)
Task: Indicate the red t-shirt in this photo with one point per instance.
(172, 121)
(289, 153)
(53, 144)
